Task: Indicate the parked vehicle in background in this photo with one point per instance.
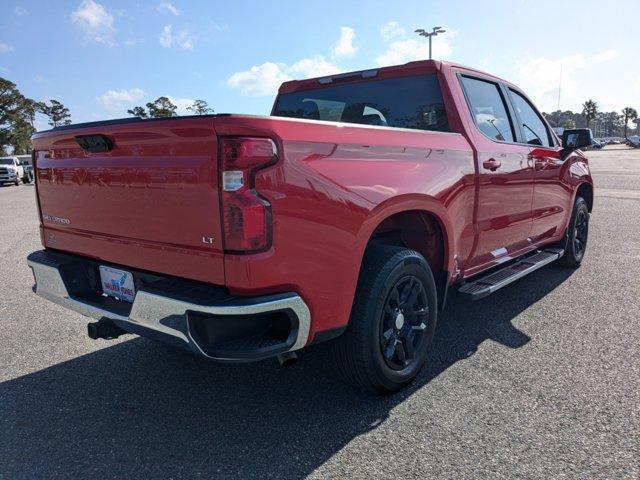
(25, 161)
(12, 171)
(597, 144)
(348, 215)
(633, 141)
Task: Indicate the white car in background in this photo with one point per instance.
(13, 171)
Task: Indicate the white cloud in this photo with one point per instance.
(259, 80)
(406, 49)
(182, 104)
(605, 56)
(263, 80)
(117, 99)
(344, 46)
(4, 48)
(184, 39)
(95, 21)
(167, 7)
(403, 51)
(19, 11)
(312, 67)
(541, 77)
(391, 30)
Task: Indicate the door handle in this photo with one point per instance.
(492, 164)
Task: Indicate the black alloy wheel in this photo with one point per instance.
(404, 323)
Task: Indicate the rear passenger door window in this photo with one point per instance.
(488, 109)
(533, 128)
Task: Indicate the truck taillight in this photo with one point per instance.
(246, 217)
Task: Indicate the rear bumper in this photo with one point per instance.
(201, 318)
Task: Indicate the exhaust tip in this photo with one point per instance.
(287, 359)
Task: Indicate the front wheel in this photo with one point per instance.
(577, 235)
(392, 322)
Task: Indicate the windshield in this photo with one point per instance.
(6, 161)
(404, 102)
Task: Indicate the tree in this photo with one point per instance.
(58, 114)
(138, 112)
(17, 116)
(612, 124)
(200, 107)
(10, 100)
(568, 124)
(559, 118)
(21, 137)
(629, 114)
(161, 107)
(589, 110)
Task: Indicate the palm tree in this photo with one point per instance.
(589, 110)
(629, 114)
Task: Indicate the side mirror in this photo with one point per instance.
(574, 139)
(577, 138)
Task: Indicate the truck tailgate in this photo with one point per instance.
(150, 201)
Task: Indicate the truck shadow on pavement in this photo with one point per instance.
(141, 410)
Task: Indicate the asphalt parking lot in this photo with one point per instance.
(540, 380)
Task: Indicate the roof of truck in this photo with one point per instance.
(415, 67)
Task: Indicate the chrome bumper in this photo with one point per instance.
(164, 318)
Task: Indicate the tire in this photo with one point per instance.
(576, 235)
(17, 181)
(382, 329)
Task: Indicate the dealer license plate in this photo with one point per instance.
(117, 283)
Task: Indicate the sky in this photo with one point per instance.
(101, 57)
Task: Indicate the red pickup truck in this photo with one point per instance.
(348, 216)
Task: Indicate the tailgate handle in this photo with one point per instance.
(95, 143)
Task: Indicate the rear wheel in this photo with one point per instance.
(392, 323)
(577, 235)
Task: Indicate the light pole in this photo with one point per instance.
(435, 31)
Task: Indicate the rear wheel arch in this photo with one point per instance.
(422, 231)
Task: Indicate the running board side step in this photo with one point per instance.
(482, 287)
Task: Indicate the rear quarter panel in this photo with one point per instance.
(334, 185)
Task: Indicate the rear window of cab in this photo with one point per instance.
(403, 102)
